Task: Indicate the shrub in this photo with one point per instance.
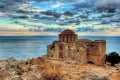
(113, 58)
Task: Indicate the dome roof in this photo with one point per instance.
(67, 32)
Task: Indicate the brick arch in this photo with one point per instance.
(61, 55)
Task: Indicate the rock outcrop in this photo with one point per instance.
(40, 69)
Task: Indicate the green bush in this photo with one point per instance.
(113, 58)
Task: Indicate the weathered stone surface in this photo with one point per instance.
(1, 75)
(37, 60)
(56, 70)
(115, 76)
(27, 61)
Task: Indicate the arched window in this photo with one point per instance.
(60, 55)
(60, 38)
(70, 38)
(60, 47)
(67, 39)
(52, 55)
(74, 38)
(63, 39)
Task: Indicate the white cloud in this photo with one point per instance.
(57, 5)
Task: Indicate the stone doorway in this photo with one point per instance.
(60, 55)
(90, 62)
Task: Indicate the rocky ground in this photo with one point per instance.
(40, 69)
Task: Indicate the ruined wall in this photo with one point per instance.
(63, 51)
(96, 52)
(51, 51)
(81, 51)
(57, 50)
(71, 47)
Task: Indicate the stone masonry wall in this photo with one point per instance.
(82, 50)
(53, 50)
(96, 52)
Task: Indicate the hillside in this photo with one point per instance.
(40, 69)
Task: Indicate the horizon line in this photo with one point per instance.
(49, 35)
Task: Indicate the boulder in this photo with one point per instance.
(37, 61)
(2, 75)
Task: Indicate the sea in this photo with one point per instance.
(27, 47)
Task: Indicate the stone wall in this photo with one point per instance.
(96, 52)
(83, 50)
(54, 51)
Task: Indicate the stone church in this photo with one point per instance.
(83, 50)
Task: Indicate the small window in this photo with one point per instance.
(78, 50)
(74, 38)
(70, 38)
(63, 39)
(53, 46)
(60, 38)
(52, 55)
(67, 39)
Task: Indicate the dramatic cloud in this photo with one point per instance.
(74, 21)
(70, 13)
(91, 29)
(57, 15)
(115, 19)
(84, 16)
(65, 1)
(51, 13)
(109, 6)
(104, 22)
(19, 17)
(53, 29)
(42, 0)
(85, 29)
(103, 29)
(10, 5)
(107, 15)
(82, 5)
(23, 11)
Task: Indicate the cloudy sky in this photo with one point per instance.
(50, 17)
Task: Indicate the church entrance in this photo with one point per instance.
(60, 55)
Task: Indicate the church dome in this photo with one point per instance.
(67, 32)
(67, 36)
